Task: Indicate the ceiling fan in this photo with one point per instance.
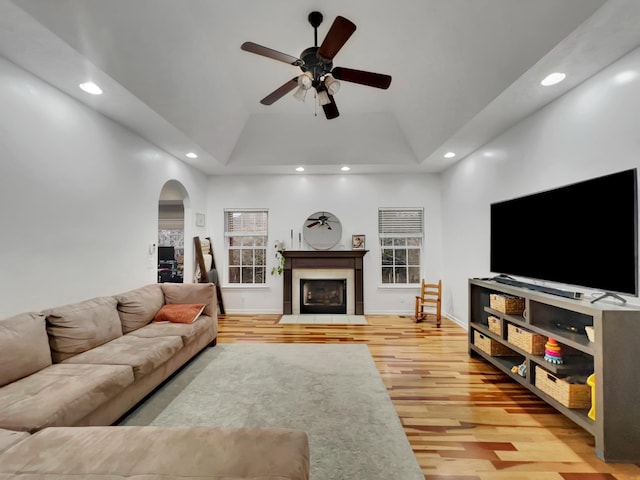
(321, 221)
(317, 68)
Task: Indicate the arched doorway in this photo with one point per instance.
(171, 232)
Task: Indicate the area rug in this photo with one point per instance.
(324, 319)
(333, 392)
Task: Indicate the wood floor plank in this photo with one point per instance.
(464, 419)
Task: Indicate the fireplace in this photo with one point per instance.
(341, 265)
(323, 295)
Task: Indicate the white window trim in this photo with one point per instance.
(228, 234)
(414, 228)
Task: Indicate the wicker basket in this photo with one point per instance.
(525, 340)
(495, 325)
(490, 346)
(506, 304)
(568, 394)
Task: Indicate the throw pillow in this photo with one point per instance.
(179, 312)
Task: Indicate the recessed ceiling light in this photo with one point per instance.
(91, 88)
(449, 155)
(345, 169)
(552, 79)
(191, 155)
(300, 169)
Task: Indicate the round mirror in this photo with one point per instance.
(322, 230)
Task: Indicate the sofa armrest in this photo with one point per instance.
(192, 293)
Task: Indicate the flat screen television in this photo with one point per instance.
(166, 254)
(584, 234)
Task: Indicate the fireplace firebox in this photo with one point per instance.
(323, 295)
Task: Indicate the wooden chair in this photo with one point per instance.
(431, 298)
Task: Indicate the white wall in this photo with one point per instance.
(591, 131)
(354, 199)
(78, 198)
(79, 195)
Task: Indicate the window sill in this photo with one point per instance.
(394, 286)
(252, 286)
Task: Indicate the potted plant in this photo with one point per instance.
(279, 267)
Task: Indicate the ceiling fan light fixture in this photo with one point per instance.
(300, 94)
(316, 64)
(305, 80)
(332, 84)
(323, 98)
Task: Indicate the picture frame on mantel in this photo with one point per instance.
(357, 242)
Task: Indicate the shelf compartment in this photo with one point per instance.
(490, 346)
(509, 304)
(567, 323)
(495, 324)
(573, 365)
(576, 340)
(504, 364)
(526, 340)
(568, 394)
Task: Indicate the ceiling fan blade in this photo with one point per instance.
(340, 31)
(311, 225)
(370, 79)
(280, 92)
(270, 53)
(331, 109)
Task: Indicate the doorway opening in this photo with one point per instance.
(171, 233)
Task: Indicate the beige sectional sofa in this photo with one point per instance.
(89, 362)
(86, 364)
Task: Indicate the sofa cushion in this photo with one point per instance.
(138, 307)
(188, 331)
(61, 394)
(192, 293)
(162, 453)
(8, 438)
(78, 327)
(24, 346)
(144, 355)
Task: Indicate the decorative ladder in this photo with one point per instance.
(204, 275)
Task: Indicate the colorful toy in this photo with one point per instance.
(520, 369)
(552, 352)
(591, 381)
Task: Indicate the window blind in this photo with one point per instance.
(400, 222)
(245, 222)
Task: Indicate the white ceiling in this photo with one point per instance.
(173, 71)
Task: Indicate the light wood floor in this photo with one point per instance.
(464, 419)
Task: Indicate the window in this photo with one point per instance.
(246, 233)
(400, 231)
